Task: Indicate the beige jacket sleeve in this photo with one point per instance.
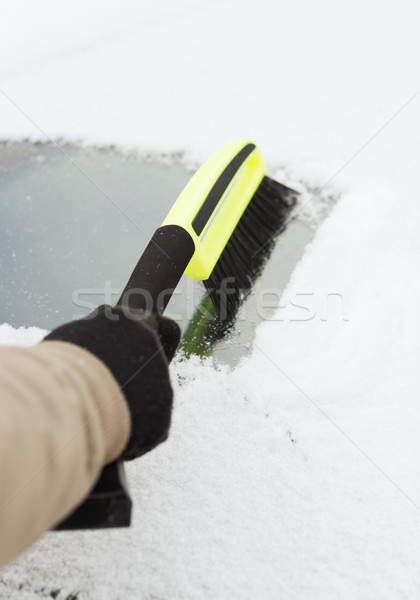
(62, 418)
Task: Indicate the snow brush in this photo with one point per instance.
(220, 230)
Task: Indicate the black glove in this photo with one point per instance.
(137, 350)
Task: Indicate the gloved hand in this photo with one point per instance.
(137, 350)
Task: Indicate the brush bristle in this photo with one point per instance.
(249, 247)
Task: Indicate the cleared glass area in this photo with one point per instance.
(73, 225)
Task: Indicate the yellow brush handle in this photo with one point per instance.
(214, 200)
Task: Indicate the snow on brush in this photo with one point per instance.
(295, 475)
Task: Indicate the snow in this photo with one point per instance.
(23, 336)
(295, 475)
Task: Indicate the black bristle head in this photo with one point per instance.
(249, 247)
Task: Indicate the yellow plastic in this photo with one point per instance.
(211, 242)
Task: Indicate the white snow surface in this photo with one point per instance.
(23, 336)
(297, 474)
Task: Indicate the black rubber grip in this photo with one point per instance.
(159, 270)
